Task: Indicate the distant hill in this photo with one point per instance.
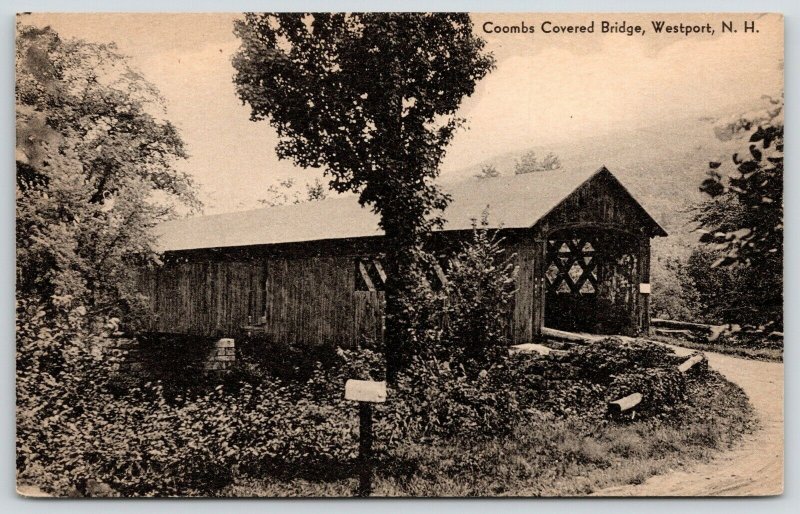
(662, 164)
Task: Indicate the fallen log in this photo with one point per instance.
(690, 362)
(670, 323)
(625, 404)
(674, 332)
(571, 337)
(538, 349)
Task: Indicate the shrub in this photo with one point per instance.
(601, 360)
(455, 379)
(581, 383)
(480, 291)
(73, 426)
(439, 399)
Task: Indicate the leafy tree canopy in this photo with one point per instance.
(488, 171)
(284, 193)
(371, 98)
(95, 170)
(743, 219)
(530, 163)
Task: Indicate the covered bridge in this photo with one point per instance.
(311, 273)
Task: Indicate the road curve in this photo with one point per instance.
(755, 466)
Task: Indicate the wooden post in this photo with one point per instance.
(365, 449)
(365, 392)
(644, 280)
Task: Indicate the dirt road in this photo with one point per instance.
(755, 466)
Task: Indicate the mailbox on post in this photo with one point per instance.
(365, 392)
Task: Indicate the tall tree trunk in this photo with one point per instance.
(400, 245)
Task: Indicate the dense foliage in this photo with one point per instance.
(95, 170)
(674, 295)
(735, 274)
(454, 378)
(74, 424)
(372, 99)
(582, 382)
(743, 224)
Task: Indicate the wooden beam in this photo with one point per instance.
(668, 323)
(379, 268)
(365, 276)
(674, 331)
(562, 335)
(440, 274)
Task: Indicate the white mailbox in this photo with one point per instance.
(644, 288)
(365, 391)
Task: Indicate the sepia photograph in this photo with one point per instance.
(399, 254)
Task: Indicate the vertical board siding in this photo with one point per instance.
(307, 298)
(524, 301)
(202, 298)
(312, 300)
(368, 319)
(644, 277)
(599, 201)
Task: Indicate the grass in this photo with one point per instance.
(545, 456)
(769, 351)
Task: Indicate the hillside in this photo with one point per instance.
(662, 164)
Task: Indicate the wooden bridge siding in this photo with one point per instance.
(598, 202)
(310, 300)
(643, 311)
(599, 205)
(525, 321)
(368, 316)
(203, 298)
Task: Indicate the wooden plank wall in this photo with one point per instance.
(203, 298)
(311, 300)
(598, 201)
(368, 316)
(528, 313)
(303, 300)
(644, 277)
(525, 298)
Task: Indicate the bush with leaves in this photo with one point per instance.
(95, 169)
(743, 219)
(481, 283)
(457, 343)
(75, 426)
(438, 398)
(582, 382)
(530, 163)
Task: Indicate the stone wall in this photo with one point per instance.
(166, 358)
(221, 356)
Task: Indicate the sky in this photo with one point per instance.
(546, 88)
